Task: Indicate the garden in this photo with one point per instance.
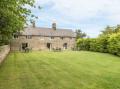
(60, 70)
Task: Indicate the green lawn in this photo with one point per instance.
(60, 70)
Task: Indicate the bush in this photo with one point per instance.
(105, 43)
(114, 44)
(4, 40)
(93, 45)
(83, 44)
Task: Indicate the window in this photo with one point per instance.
(62, 38)
(52, 37)
(29, 37)
(65, 45)
(15, 36)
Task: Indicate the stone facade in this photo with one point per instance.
(42, 43)
(44, 39)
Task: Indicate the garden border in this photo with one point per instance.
(4, 52)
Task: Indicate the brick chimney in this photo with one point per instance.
(54, 26)
(33, 24)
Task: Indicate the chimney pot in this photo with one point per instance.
(54, 26)
(33, 24)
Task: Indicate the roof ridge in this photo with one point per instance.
(48, 32)
(50, 28)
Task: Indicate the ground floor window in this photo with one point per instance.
(29, 37)
(65, 45)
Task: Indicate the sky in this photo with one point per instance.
(91, 16)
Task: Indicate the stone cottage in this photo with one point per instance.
(38, 38)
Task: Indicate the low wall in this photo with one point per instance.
(4, 50)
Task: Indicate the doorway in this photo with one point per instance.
(24, 46)
(65, 45)
(49, 46)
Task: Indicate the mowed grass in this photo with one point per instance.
(60, 70)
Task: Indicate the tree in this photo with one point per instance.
(108, 30)
(13, 16)
(80, 34)
(117, 29)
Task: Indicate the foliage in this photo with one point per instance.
(99, 44)
(110, 30)
(114, 44)
(93, 43)
(83, 44)
(13, 16)
(109, 42)
(80, 34)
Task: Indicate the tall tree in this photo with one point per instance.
(13, 16)
(108, 30)
(117, 29)
(80, 34)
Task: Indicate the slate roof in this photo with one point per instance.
(39, 31)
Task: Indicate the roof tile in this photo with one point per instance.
(49, 32)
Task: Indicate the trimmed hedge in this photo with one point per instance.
(105, 44)
(83, 44)
(114, 44)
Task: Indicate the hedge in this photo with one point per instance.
(114, 44)
(83, 44)
(105, 44)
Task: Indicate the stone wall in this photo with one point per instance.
(40, 43)
(4, 50)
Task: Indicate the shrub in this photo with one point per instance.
(83, 44)
(93, 43)
(114, 44)
(105, 43)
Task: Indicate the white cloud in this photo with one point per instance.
(79, 11)
(83, 9)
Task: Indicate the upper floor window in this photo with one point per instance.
(52, 37)
(15, 36)
(28, 37)
(62, 38)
